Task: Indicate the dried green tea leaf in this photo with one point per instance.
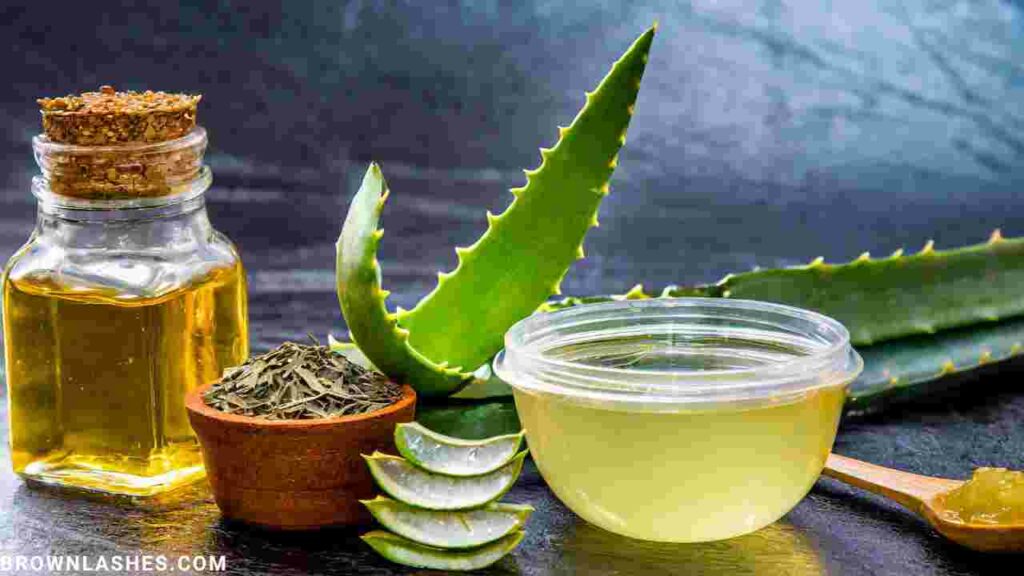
(297, 381)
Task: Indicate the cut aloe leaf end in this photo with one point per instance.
(403, 481)
(405, 551)
(442, 454)
(449, 529)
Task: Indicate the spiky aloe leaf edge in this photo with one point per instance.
(519, 261)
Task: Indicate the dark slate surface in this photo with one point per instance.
(767, 133)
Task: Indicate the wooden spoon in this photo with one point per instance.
(920, 494)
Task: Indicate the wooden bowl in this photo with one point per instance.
(293, 474)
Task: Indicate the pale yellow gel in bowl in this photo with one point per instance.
(679, 419)
(687, 476)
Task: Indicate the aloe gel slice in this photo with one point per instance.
(404, 551)
(449, 529)
(454, 456)
(403, 481)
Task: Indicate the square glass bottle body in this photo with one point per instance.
(112, 312)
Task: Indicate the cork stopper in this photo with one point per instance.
(110, 117)
(111, 145)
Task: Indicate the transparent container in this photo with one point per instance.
(123, 299)
(679, 420)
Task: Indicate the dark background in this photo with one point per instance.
(766, 133)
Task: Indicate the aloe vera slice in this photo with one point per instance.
(454, 456)
(403, 481)
(405, 551)
(447, 529)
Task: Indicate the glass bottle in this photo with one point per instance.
(123, 299)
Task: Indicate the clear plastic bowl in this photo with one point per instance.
(679, 420)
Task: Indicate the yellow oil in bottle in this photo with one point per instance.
(97, 380)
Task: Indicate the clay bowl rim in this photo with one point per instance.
(194, 404)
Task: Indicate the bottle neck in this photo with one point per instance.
(189, 197)
(177, 223)
(104, 176)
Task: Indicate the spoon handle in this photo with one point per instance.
(910, 490)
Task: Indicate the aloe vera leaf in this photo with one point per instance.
(350, 351)
(447, 529)
(898, 368)
(454, 455)
(897, 296)
(404, 551)
(526, 251)
(485, 384)
(470, 419)
(880, 299)
(914, 319)
(404, 481)
(903, 366)
(371, 326)
(482, 409)
(635, 293)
